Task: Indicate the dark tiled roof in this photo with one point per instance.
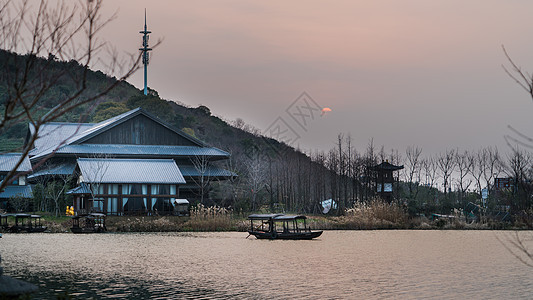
(191, 171)
(386, 166)
(24, 191)
(142, 150)
(53, 135)
(81, 189)
(9, 160)
(60, 169)
(67, 138)
(105, 170)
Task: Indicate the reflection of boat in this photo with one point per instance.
(90, 223)
(280, 226)
(28, 223)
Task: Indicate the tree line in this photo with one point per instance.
(440, 183)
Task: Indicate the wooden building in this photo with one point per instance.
(18, 187)
(133, 163)
(384, 179)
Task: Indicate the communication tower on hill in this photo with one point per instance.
(145, 54)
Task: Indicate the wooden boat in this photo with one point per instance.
(3, 221)
(27, 223)
(280, 226)
(89, 223)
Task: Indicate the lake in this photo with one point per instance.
(339, 265)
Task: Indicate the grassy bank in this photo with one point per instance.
(365, 216)
(236, 223)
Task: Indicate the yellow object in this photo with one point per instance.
(70, 211)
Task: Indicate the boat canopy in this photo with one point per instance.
(275, 217)
(263, 216)
(22, 215)
(97, 215)
(181, 201)
(289, 218)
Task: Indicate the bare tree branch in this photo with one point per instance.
(65, 30)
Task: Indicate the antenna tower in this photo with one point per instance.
(145, 55)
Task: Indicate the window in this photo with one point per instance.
(112, 189)
(98, 204)
(112, 206)
(134, 204)
(133, 189)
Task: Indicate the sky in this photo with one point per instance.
(402, 73)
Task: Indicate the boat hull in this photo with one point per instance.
(86, 230)
(18, 229)
(285, 236)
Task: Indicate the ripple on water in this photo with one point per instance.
(341, 264)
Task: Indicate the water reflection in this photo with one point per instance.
(341, 264)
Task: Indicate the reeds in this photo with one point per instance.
(212, 218)
(145, 224)
(376, 214)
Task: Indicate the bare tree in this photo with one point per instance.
(465, 163)
(55, 187)
(256, 169)
(94, 175)
(231, 182)
(56, 191)
(493, 166)
(413, 170)
(478, 168)
(446, 162)
(202, 164)
(519, 168)
(525, 80)
(429, 166)
(65, 31)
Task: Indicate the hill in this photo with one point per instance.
(271, 174)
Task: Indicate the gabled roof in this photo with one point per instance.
(105, 170)
(57, 136)
(9, 160)
(54, 134)
(110, 123)
(153, 151)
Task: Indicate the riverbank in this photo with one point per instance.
(376, 215)
(240, 223)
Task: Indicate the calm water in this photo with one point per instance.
(340, 264)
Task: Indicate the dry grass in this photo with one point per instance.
(377, 214)
(145, 224)
(210, 219)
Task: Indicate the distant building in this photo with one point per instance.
(18, 187)
(133, 163)
(503, 183)
(384, 179)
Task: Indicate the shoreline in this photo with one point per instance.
(229, 223)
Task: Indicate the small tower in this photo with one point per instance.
(385, 179)
(145, 55)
